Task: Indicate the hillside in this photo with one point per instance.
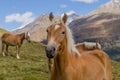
(38, 27)
(101, 25)
(113, 6)
(2, 31)
(33, 64)
(98, 26)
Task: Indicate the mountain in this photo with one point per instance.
(71, 16)
(104, 22)
(113, 6)
(99, 22)
(37, 28)
(104, 25)
(101, 25)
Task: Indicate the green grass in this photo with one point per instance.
(33, 64)
(116, 70)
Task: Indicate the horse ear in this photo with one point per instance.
(51, 16)
(64, 18)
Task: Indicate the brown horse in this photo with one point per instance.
(72, 62)
(14, 40)
(82, 47)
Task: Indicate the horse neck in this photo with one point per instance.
(22, 36)
(61, 60)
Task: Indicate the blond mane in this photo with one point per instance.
(70, 41)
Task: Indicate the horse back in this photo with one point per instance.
(98, 55)
(94, 51)
(9, 39)
(83, 47)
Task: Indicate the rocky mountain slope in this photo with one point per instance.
(36, 28)
(101, 25)
(113, 6)
(98, 24)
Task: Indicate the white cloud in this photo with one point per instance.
(85, 1)
(71, 12)
(63, 6)
(24, 18)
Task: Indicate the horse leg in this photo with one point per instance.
(7, 50)
(18, 50)
(50, 64)
(3, 52)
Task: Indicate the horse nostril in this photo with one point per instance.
(46, 49)
(53, 49)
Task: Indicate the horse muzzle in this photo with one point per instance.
(50, 52)
(29, 41)
(51, 49)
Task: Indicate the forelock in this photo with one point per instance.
(57, 26)
(57, 20)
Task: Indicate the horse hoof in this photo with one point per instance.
(18, 57)
(3, 54)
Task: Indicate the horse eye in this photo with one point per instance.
(47, 30)
(63, 32)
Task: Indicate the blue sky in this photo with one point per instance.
(17, 13)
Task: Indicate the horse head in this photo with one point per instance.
(27, 36)
(56, 33)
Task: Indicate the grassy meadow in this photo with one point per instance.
(33, 64)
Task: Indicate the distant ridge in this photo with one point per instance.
(113, 7)
(2, 31)
(101, 25)
(38, 27)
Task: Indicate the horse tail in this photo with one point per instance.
(0, 45)
(92, 45)
(108, 68)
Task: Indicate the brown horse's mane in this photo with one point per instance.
(21, 34)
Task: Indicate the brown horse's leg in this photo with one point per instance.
(18, 51)
(3, 52)
(7, 50)
(50, 64)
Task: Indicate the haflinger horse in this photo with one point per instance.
(82, 47)
(72, 62)
(8, 39)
